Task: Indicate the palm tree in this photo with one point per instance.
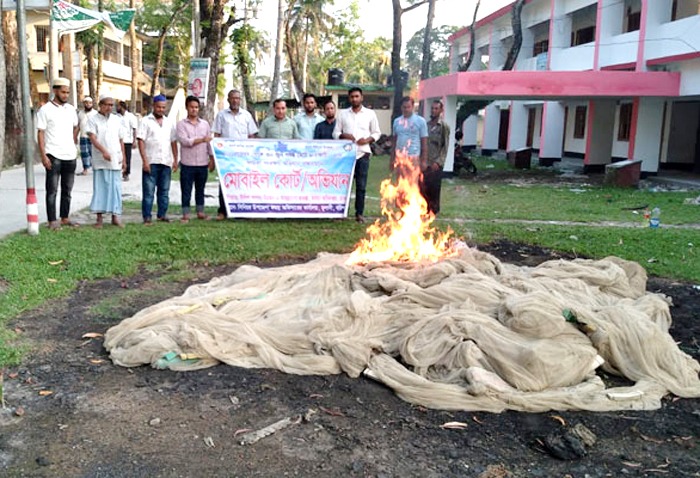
(306, 22)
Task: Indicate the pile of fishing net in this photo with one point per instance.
(466, 333)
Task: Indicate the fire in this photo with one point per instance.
(406, 235)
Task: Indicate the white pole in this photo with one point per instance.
(28, 136)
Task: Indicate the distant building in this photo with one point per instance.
(116, 62)
(601, 80)
(380, 98)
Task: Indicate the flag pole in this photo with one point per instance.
(28, 136)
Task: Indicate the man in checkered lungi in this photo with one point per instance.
(85, 146)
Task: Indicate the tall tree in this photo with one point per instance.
(216, 18)
(279, 47)
(248, 47)
(470, 107)
(134, 56)
(305, 23)
(2, 101)
(398, 81)
(13, 153)
(88, 40)
(162, 18)
(472, 41)
(439, 56)
(427, 56)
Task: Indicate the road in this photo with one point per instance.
(13, 195)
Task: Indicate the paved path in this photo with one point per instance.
(13, 196)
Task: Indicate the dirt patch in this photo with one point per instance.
(100, 420)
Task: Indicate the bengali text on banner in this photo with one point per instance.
(295, 178)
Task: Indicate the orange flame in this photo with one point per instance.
(406, 235)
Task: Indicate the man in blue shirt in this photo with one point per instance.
(411, 141)
(308, 119)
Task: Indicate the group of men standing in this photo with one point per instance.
(105, 141)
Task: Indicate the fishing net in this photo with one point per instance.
(465, 333)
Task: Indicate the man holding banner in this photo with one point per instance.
(233, 123)
(359, 125)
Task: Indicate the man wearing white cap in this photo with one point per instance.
(85, 145)
(106, 132)
(57, 135)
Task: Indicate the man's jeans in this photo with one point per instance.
(65, 172)
(361, 172)
(159, 178)
(190, 175)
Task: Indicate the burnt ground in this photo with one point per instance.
(71, 412)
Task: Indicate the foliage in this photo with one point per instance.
(171, 21)
(440, 61)
(362, 61)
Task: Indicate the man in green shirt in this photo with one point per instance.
(278, 126)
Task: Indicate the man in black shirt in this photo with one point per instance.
(324, 129)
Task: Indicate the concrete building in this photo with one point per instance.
(603, 80)
(116, 62)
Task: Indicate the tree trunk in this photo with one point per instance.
(134, 61)
(398, 81)
(427, 54)
(2, 100)
(472, 40)
(100, 55)
(91, 73)
(13, 104)
(396, 59)
(274, 88)
(517, 36)
(292, 46)
(214, 32)
(159, 56)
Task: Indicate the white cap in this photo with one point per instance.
(60, 82)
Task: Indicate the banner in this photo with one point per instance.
(198, 78)
(69, 18)
(295, 178)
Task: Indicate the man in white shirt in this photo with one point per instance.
(85, 146)
(308, 119)
(130, 125)
(57, 135)
(106, 133)
(234, 123)
(359, 125)
(158, 148)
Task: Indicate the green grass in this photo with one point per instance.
(34, 270)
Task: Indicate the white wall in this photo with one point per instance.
(572, 144)
(575, 58)
(573, 5)
(673, 38)
(690, 77)
(619, 49)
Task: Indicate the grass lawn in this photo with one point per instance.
(36, 269)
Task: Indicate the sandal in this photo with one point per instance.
(69, 223)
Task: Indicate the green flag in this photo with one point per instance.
(69, 18)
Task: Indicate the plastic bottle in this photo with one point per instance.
(655, 220)
(647, 215)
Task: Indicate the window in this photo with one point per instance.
(633, 20)
(42, 38)
(540, 47)
(580, 122)
(625, 124)
(126, 54)
(111, 51)
(582, 36)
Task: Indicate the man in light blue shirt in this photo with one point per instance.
(308, 119)
(411, 140)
